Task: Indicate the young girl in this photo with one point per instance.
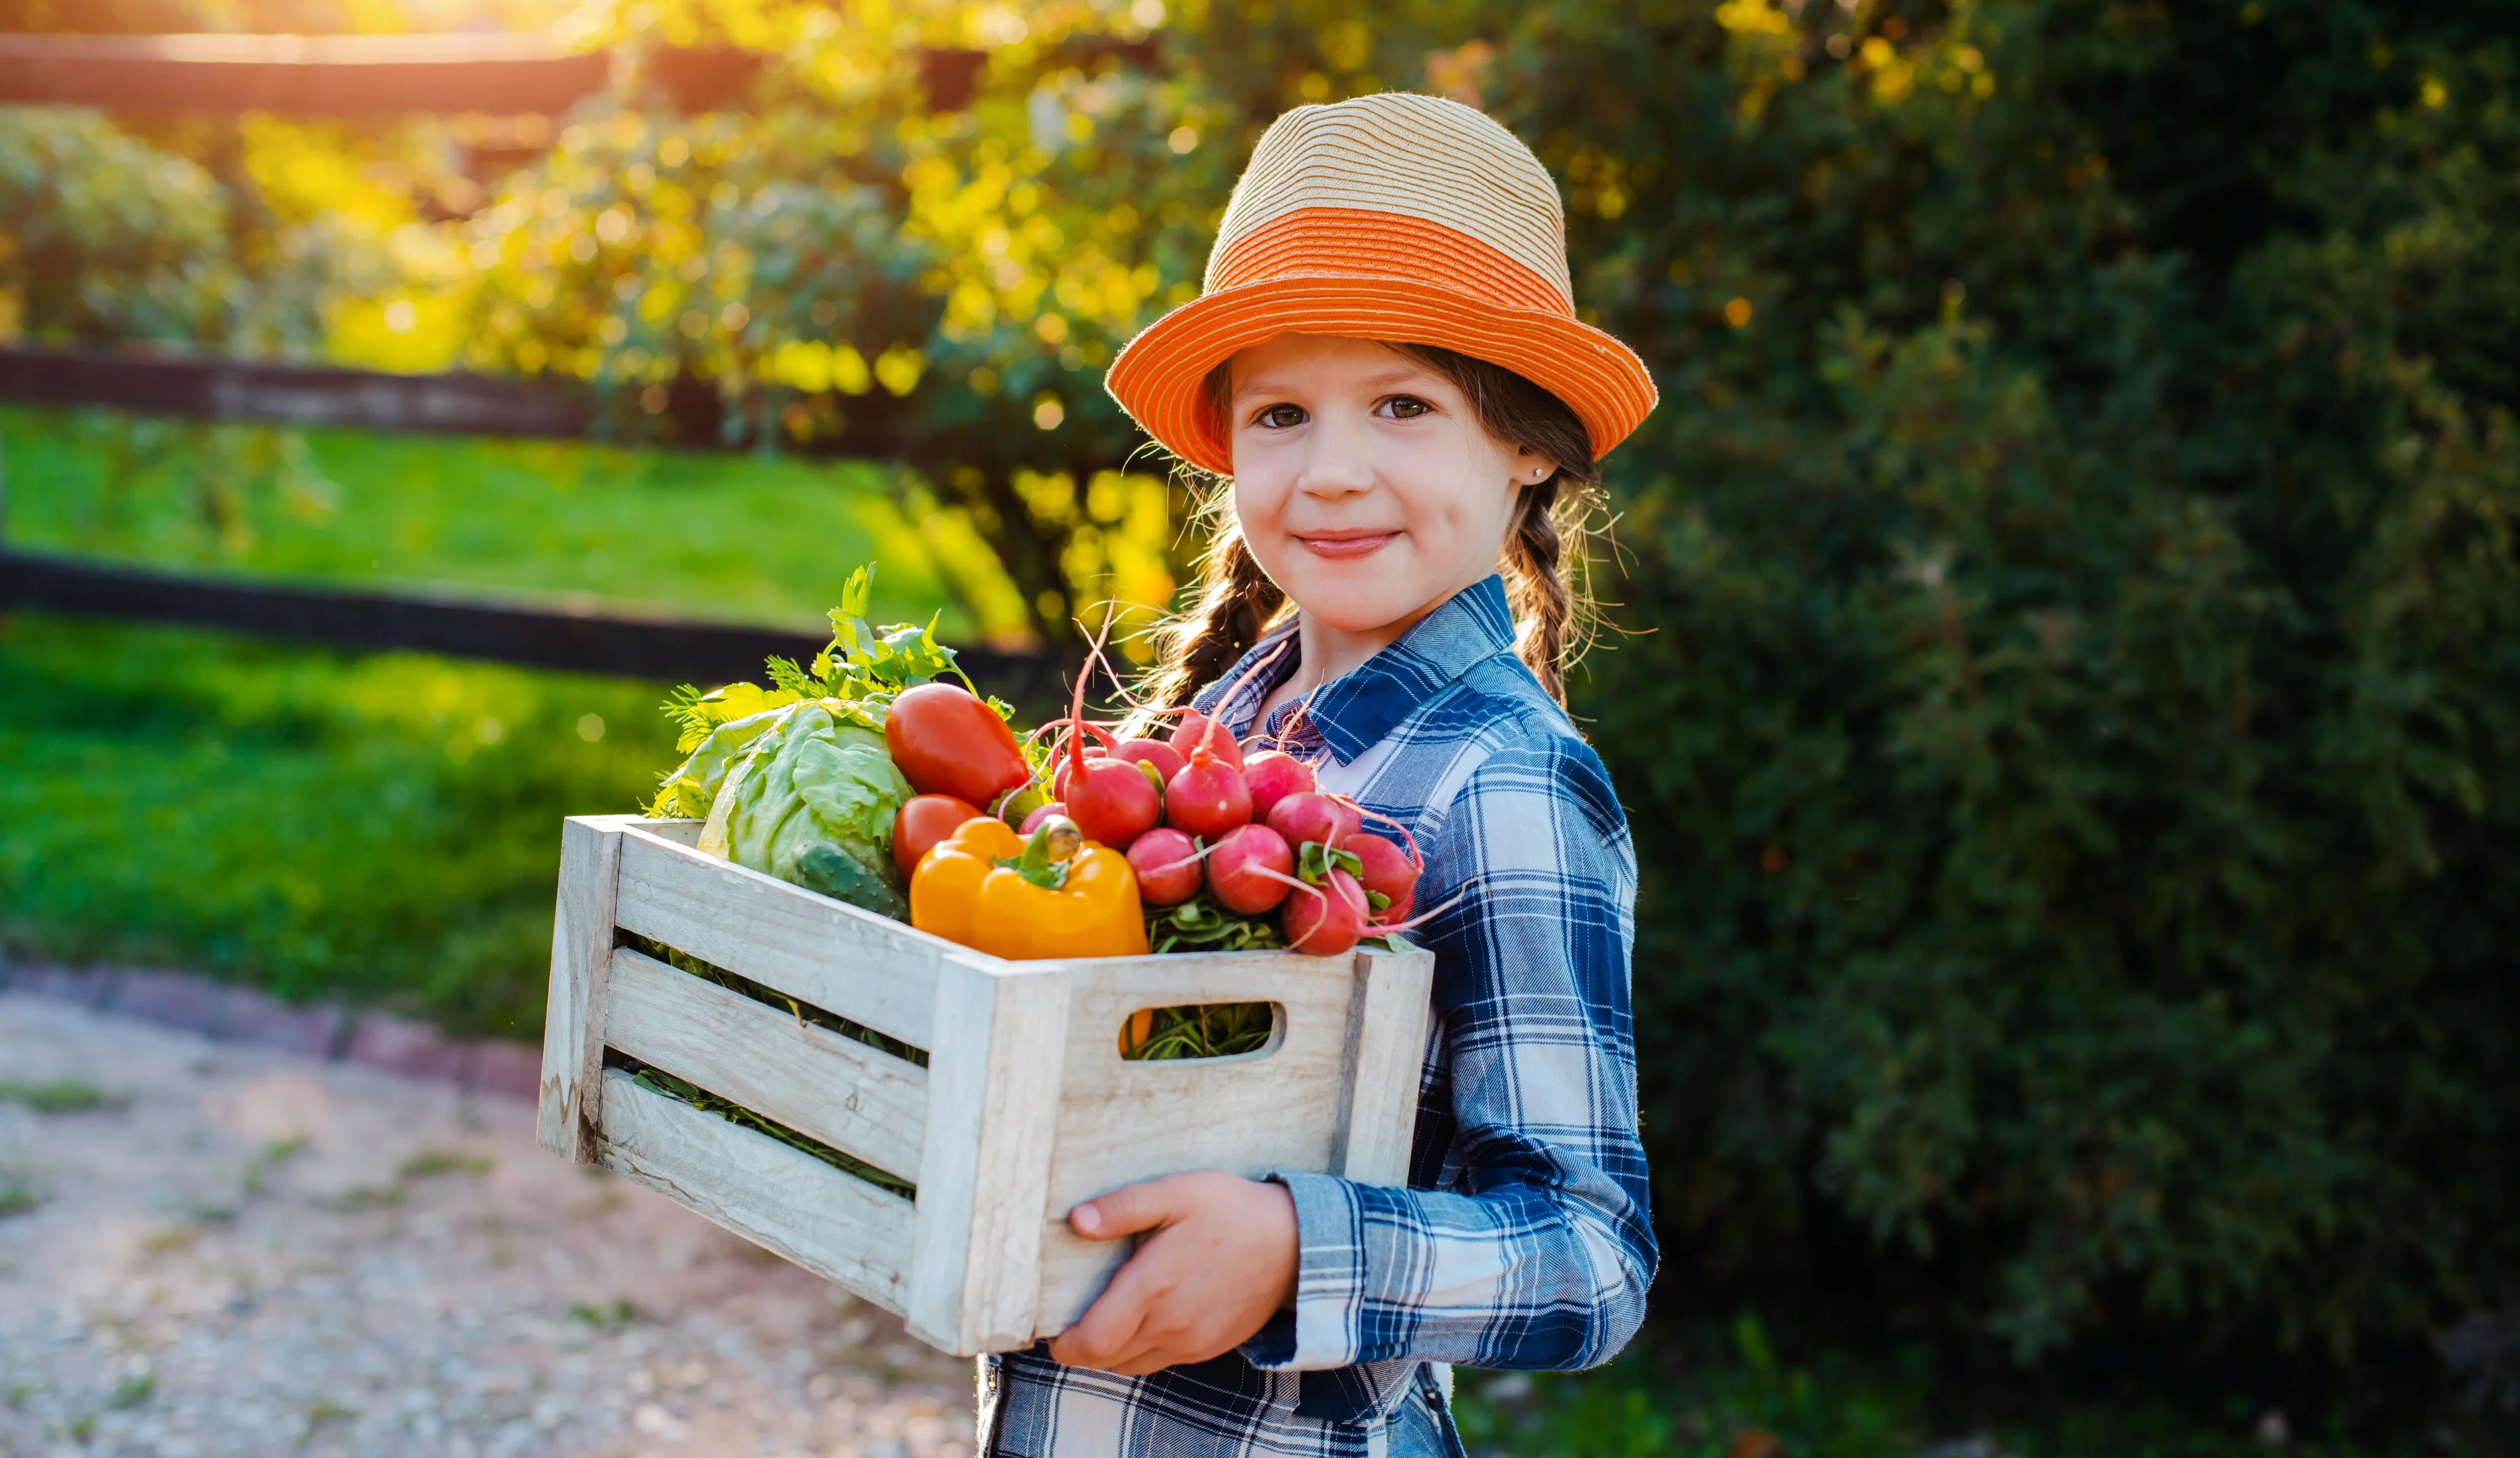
(1387, 364)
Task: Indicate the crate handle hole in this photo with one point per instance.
(1202, 1031)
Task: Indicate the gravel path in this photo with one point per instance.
(244, 1253)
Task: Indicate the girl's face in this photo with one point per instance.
(1364, 483)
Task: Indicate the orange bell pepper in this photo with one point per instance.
(1055, 894)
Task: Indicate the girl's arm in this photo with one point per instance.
(1540, 1253)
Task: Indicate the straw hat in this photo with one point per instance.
(1404, 218)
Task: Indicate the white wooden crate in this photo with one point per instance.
(1024, 1109)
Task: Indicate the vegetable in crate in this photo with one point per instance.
(813, 802)
(1053, 895)
(799, 780)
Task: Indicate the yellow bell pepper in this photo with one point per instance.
(1055, 894)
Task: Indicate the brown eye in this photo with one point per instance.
(1406, 407)
(1281, 417)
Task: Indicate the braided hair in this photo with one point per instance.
(1546, 556)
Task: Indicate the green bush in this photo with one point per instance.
(2071, 722)
(1696, 1390)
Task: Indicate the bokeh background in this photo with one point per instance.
(2065, 675)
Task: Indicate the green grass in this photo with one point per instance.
(60, 1096)
(727, 537)
(381, 828)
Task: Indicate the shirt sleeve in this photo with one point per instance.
(1536, 1250)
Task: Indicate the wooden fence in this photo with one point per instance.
(635, 647)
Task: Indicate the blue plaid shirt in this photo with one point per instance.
(1523, 1240)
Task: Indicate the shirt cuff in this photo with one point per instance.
(1329, 1281)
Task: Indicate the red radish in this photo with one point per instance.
(922, 821)
(1167, 760)
(1328, 920)
(1194, 731)
(1310, 816)
(1113, 802)
(1235, 869)
(1273, 776)
(1387, 871)
(1207, 798)
(1041, 812)
(1061, 769)
(1167, 866)
(1064, 755)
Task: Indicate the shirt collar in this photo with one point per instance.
(1354, 712)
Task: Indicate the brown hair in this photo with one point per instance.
(1545, 552)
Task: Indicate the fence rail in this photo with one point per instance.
(344, 76)
(291, 394)
(633, 646)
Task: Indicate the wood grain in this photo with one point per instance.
(993, 1111)
(866, 968)
(781, 1199)
(1385, 1063)
(680, 832)
(589, 863)
(857, 1099)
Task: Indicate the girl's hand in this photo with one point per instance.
(1220, 1263)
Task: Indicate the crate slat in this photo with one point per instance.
(857, 1099)
(993, 1112)
(782, 1199)
(1385, 1062)
(864, 967)
(680, 832)
(590, 866)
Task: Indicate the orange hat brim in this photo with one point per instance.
(1158, 376)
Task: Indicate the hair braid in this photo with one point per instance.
(1544, 608)
(1234, 604)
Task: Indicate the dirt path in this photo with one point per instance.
(250, 1253)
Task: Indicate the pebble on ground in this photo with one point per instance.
(240, 1253)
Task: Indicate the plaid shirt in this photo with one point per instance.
(1523, 1240)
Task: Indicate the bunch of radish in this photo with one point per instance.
(1256, 832)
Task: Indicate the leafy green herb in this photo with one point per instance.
(1199, 924)
(1315, 863)
(1213, 1029)
(865, 666)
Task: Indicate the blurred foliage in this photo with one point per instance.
(1737, 1391)
(2076, 704)
(2070, 718)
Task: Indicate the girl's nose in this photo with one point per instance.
(1334, 466)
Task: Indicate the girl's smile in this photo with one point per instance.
(1340, 545)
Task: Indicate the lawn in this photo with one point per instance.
(375, 827)
(714, 535)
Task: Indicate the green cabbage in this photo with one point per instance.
(806, 793)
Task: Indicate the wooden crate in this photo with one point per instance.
(1026, 1106)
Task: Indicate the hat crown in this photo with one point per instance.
(1408, 156)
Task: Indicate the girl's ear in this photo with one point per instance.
(1531, 468)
